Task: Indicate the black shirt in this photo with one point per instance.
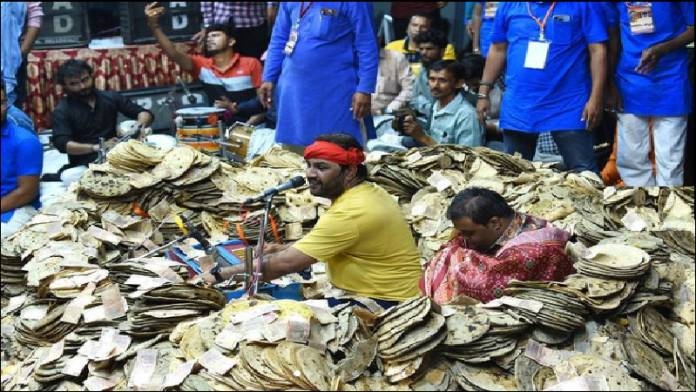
(74, 120)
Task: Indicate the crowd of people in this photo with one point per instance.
(537, 78)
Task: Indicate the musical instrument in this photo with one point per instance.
(199, 127)
(237, 138)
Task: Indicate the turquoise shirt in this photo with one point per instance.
(456, 123)
(421, 99)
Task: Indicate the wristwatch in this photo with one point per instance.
(215, 271)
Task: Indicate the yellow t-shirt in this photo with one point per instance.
(366, 244)
(416, 66)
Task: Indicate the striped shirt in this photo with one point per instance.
(238, 82)
(243, 13)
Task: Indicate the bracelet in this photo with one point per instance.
(489, 84)
(482, 96)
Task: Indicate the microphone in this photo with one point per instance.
(294, 182)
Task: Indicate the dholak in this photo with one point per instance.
(198, 127)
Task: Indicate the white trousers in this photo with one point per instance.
(669, 137)
(21, 216)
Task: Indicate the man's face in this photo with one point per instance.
(325, 178)
(429, 53)
(79, 86)
(217, 42)
(3, 107)
(418, 24)
(478, 237)
(442, 83)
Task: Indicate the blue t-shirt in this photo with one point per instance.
(553, 98)
(665, 91)
(22, 155)
(486, 28)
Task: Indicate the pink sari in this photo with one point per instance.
(533, 250)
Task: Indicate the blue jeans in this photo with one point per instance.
(576, 147)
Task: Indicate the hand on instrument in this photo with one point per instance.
(412, 128)
(145, 132)
(265, 94)
(361, 105)
(225, 103)
(109, 144)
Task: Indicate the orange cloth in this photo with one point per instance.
(610, 173)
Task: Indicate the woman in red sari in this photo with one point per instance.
(493, 245)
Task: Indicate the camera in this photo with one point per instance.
(399, 118)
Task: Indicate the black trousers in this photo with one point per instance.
(252, 41)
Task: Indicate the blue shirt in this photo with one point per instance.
(665, 91)
(14, 14)
(553, 98)
(486, 29)
(22, 155)
(456, 123)
(336, 55)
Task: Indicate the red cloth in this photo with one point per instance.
(334, 153)
(122, 69)
(532, 250)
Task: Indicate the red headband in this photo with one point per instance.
(334, 153)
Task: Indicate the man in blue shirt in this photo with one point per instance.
(555, 56)
(323, 57)
(452, 119)
(482, 25)
(22, 160)
(652, 83)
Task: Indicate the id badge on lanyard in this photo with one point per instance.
(491, 8)
(538, 50)
(292, 38)
(640, 17)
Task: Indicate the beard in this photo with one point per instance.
(88, 92)
(329, 190)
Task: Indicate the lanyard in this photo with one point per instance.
(541, 23)
(304, 10)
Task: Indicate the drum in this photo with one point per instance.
(198, 127)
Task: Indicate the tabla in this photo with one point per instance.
(198, 127)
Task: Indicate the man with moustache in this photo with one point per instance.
(86, 114)
(452, 119)
(229, 79)
(368, 251)
(431, 45)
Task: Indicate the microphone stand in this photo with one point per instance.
(257, 275)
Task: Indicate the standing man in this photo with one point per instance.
(86, 114)
(22, 161)
(409, 47)
(555, 57)
(652, 81)
(249, 19)
(229, 79)
(482, 25)
(21, 21)
(362, 257)
(323, 57)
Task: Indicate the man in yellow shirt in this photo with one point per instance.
(363, 237)
(409, 47)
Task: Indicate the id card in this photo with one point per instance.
(292, 40)
(537, 51)
(491, 8)
(641, 19)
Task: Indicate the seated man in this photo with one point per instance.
(22, 160)
(409, 47)
(363, 257)
(493, 245)
(394, 83)
(86, 114)
(452, 119)
(229, 79)
(431, 44)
